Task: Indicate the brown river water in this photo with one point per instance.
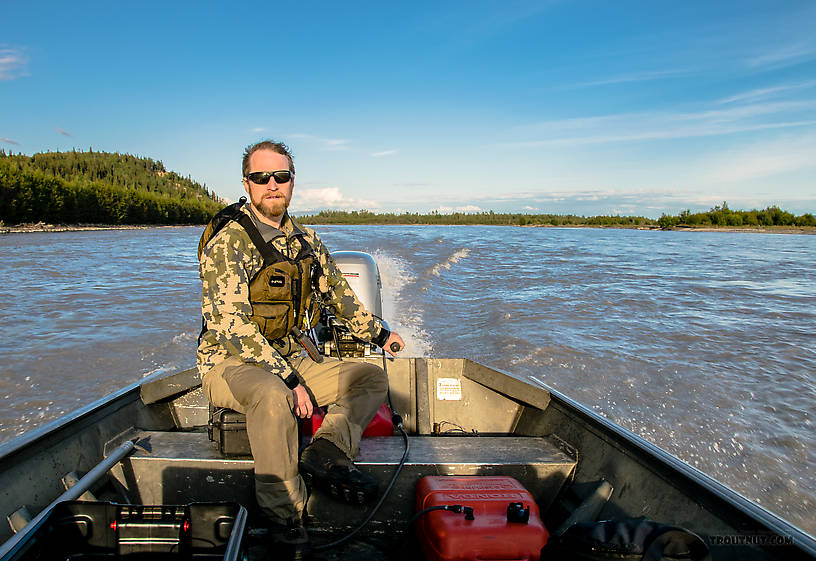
(702, 343)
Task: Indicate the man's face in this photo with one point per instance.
(270, 200)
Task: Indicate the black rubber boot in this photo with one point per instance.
(288, 540)
(326, 467)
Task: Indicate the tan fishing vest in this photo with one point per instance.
(282, 297)
(281, 293)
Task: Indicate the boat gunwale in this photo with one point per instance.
(748, 507)
(31, 438)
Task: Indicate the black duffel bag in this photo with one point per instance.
(629, 539)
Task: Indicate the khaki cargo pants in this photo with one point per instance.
(353, 392)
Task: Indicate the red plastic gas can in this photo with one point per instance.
(494, 533)
(380, 425)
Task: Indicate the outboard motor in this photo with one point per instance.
(361, 272)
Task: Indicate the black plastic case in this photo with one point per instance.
(81, 531)
(227, 428)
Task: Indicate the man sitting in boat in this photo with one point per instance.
(265, 280)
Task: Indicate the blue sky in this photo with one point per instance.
(584, 107)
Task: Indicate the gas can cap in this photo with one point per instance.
(517, 513)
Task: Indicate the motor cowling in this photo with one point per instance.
(361, 272)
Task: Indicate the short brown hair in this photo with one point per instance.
(278, 147)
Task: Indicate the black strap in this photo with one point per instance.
(305, 249)
(203, 330)
(268, 252)
(291, 381)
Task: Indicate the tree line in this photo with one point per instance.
(721, 215)
(99, 188)
(478, 218)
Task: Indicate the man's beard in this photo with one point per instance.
(271, 208)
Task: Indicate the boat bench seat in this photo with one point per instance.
(180, 461)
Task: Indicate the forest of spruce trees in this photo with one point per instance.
(98, 188)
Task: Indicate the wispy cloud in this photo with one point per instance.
(633, 77)
(640, 202)
(632, 127)
(444, 209)
(326, 143)
(258, 129)
(582, 201)
(9, 141)
(763, 93)
(621, 197)
(384, 153)
(63, 132)
(762, 159)
(12, 64)
(305, 200)
(785, 55)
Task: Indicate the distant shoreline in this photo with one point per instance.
(807, 230)
(48, 228)
(42, 227)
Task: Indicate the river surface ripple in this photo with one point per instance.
(703, 343)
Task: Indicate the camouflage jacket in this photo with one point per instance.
(228, 263)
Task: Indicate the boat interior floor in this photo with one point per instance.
(174, 465)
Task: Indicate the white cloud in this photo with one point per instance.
(63, 132)
(258, 129)
(9, 141)
(384, 153)
(12, 64)
(546, 196)
(535, 200)
(328, 198)
(650, 202)
(326, 143)
(786, 55)
(632, 127)
(767, 92)
(763, 159)
(442, 209)
(634, 77)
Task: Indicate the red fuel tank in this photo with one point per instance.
(506, 522)
(380, 425)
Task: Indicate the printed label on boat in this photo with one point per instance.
(448, 389)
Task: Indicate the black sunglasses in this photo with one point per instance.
(263, 177)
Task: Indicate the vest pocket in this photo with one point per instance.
(275, 320)
(273, 283)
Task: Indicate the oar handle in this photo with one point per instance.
(12, 545)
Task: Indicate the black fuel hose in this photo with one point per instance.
(452, 508)
(397, 420)
(403, 549)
